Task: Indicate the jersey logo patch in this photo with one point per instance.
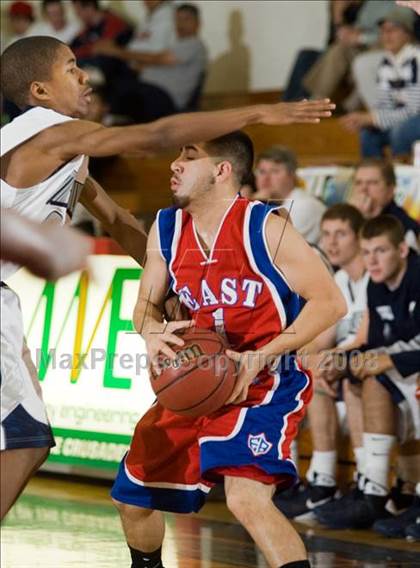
(259, 445)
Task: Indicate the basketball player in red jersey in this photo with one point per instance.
(244, 271)
(43, 168)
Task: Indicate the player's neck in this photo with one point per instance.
(395, 280)
(208, 213)
(355, 268)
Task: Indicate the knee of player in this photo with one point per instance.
(131, 512)
(242, 503)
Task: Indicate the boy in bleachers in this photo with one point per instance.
(276, 181)
(394, 117)
(385, 361)
(373, 194)
(340, 226)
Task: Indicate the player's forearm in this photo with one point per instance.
(316, 316)
(126, 231)
(140, 57)
(146, 315)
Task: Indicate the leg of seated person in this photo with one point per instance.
(305, 59)
(373, 142)
(251, 503)
(323, 422)
(352, 395)
(329, 71)
(380, 426)
(408, 465)
(403, 136)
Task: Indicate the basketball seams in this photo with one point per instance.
(187, 372)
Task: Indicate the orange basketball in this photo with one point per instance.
(200, 379)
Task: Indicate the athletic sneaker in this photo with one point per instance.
(342, 501)
(300, 502)
(412, 532)
(358, 513)
(400, 499)
(396, 526)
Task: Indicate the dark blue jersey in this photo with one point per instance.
(394, 319)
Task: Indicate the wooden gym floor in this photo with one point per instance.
(60, 523)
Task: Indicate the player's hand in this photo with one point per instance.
(413, 4)
(158, 337)
(348, 35)
(68, 252)
(106, 47)
(354, 121)
(369, 364)
(331, 368)
(302, 111)
(249, 363)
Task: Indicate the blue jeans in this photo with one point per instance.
(400, 138)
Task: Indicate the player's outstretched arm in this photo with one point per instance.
(118, 222)
(148, 313)
(82, 137)
(49, 250)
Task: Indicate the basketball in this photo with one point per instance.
(201, 378)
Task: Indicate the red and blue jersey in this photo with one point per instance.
(236, 288)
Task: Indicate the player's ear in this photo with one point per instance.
(38, 91)
(404, 249)
(224, 171)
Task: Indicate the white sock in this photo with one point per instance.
(359, 478)
(323, 464)
(359, 454)
(408, 468)
(418, 489)
(377, 454)
(294, 453)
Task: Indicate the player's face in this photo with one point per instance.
(370, 187)
(67, 91)
(383, 260)
(193, 175)
(273, 180)
(393, 37)
(339, 242)
(54, 13)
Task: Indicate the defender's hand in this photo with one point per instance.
(302, 111)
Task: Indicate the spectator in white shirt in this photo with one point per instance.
(157, 33)
(276, 181)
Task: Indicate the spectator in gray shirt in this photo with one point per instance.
(178, 71)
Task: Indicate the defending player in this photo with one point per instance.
(242, 271)
(43, 169)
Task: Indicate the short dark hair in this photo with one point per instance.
(191, 8)
(238, 149)
(27, 60)
(46, 3)
(386, 168)
(384, 225)
(86, 3)
(280, 155)
(345, 212)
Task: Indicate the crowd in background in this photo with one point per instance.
(371, 66)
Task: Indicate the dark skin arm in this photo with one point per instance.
(118, 222)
